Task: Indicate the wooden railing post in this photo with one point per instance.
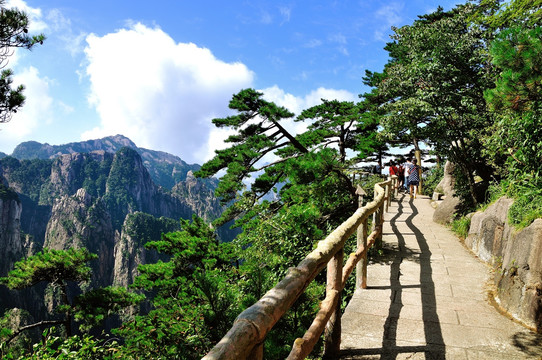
(392, 192)
(245, 339)
(332, 335)
(387, 197)
(361, 266)
(380, 224)
(377, 221)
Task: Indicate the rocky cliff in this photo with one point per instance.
(11, 241)
(13, 246)
(106, 202)
(516, 257)
(138, 229)
(165, 169)
(80, 221)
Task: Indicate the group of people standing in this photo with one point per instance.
(408, 175)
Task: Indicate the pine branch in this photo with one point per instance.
(31, 326)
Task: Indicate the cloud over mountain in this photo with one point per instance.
(160, 93)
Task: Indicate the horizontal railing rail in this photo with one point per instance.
(246, 337)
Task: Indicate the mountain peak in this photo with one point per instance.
(166, 169)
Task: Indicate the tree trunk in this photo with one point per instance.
(418, 155)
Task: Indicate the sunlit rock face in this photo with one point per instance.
(516, 257)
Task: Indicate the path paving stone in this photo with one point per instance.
(427, 299)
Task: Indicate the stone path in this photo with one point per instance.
(427, 299)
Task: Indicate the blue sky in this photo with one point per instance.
(159, 71)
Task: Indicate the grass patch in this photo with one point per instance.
(526, 190)
(461, 227)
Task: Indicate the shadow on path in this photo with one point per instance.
(434, 347)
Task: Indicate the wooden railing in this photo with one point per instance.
(245, 339)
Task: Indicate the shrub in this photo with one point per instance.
(461, 227)
(432, 179)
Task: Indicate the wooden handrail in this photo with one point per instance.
(245, 339)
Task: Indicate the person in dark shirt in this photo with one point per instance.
(414, 178)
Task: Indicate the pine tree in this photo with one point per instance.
(13, 34)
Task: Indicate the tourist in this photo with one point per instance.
(407, 168)
(414, 178)
(394, 171)
(400, 176)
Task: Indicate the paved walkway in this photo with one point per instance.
(427, 299)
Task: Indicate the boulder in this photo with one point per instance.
(487, 229)
(446, 185)
(445, 211)
(516, 257)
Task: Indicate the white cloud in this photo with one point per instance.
(286, 13)
(313, 43)
(62, 26)
(160, 93)
(388, 15)
(338, 38)
(36, 111)
(34, 14)
(37, 25)
(297, 104)
(266, 18)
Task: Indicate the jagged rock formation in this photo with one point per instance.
(106, 202)
(197, 196)
(516, 257)
(11, 242)
(12, 246)
(165, 169)
(138, 229)
(80, 221)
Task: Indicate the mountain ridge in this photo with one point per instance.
(85, 195)
(165, 169)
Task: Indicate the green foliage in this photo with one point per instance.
(89, 309)
(517, 99)
(259, 133)
(94, 176)
(195, 296)
(526, 190)
(515, 145)
(79, 347)
(145, 227)
(14, 25)
(121, 180)
(310, 189)
(271, 243)
(432, 89)
(93, 307)
(461, 226)
(497, 15)
(28, 175)
(430, 182)
(53, 266)
(7, 193)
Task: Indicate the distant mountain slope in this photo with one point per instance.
(165, 169)
(105, 202)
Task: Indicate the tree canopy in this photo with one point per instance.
(14, 25)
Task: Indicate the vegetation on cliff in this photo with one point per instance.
(466, 82)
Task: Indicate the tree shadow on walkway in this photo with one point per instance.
(434, 347)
